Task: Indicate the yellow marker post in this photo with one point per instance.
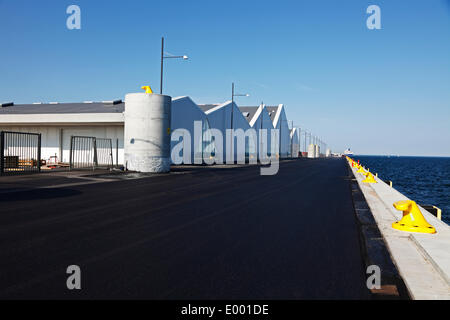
(361, 170)
(413, 220)
(439, 213)
(369, 178)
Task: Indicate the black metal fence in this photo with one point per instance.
(90, 153)
(20, 152)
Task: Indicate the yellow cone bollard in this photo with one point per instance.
(413, 220)
(361, 170)
(369, 178)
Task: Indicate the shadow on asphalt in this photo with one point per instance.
(38, 194)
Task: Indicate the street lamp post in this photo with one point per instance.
(299, 140)
(162, 63)
(306, 133)
(232, 100)
(232, 112)
(258, 156)
(291, 128)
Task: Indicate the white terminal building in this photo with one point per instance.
(58, 122)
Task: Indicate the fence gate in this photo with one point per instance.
(90, 153)
(104, 153)
(20, 152)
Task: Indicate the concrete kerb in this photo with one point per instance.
(374, 250)
(422, 260)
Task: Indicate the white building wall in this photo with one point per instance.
(239, 122)
(116, 133)
(281, 123)
(262, 121)
(184, 113)
(295, 143)
(220, 118)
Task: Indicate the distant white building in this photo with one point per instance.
(295, 142)
(280, 122)
(184, 114)
(258, 118)
(227, 116)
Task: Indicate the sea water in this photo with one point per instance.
(425, 180)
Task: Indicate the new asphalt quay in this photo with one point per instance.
(215, 232)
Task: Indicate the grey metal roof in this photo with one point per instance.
(206, 107)
(48, 108)
(272, 112)
(248, 112)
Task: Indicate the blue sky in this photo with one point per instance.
(377, 91)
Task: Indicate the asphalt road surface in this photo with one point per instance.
(198, 233)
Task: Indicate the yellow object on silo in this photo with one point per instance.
(147, 89)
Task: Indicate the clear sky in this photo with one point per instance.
(376, 91)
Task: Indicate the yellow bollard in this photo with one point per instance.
(361, 170)
(413, 220)
(369, 178)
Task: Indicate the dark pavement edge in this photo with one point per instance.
(374, 249)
